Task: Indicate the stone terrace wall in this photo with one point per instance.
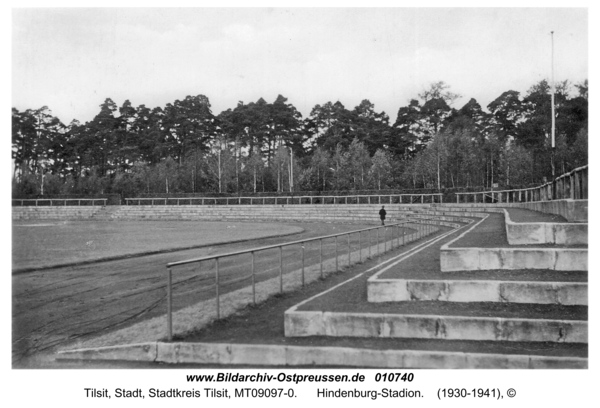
(572, 210)
(360, 213)
(52, 213)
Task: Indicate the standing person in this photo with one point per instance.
(382, 214)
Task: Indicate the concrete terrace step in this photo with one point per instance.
(484, 259)
(531, 233)
(62, 212)
(485, 247)
(440, 217)
(398, 290)
(333, 213)
(406, 354)
(288, 212)
(435, 326)
(501, 308)
(345, 312)
(107, 213)
(420, 277)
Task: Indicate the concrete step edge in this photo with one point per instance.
(387, 325)
(297, 356)
(402, 290)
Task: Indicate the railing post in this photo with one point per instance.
(321, 257)
(385, 240)
(378, 251)
(348, 250)
(303, 264)
(169, 305)
(402, 238)
(359, 247)
(576, 194)
(584, 184)
(336, 253)
(280, 269)
(217, 287)
(253, 280)
(369, 233)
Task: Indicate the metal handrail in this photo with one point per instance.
(64, 200)
(267, 247)
(291, 200)
(575, 188)
(217, 283)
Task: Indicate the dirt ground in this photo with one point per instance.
(41, 244)
(54, 307)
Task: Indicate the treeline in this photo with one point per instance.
(270, 147)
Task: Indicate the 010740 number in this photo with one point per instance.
(394, 377)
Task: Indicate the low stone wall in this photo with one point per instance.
(317, 323)
(359, 213)
(572, 210)
(404, 290)
(310, 356)
(485, 259)
(54, 213)
(532, 233)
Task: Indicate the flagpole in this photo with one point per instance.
(553, 115)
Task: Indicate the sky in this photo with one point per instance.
(71, 60)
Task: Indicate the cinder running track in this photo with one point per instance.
(54, 307)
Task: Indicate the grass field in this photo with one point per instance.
(41, 244)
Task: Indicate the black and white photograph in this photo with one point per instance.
(300, 203)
